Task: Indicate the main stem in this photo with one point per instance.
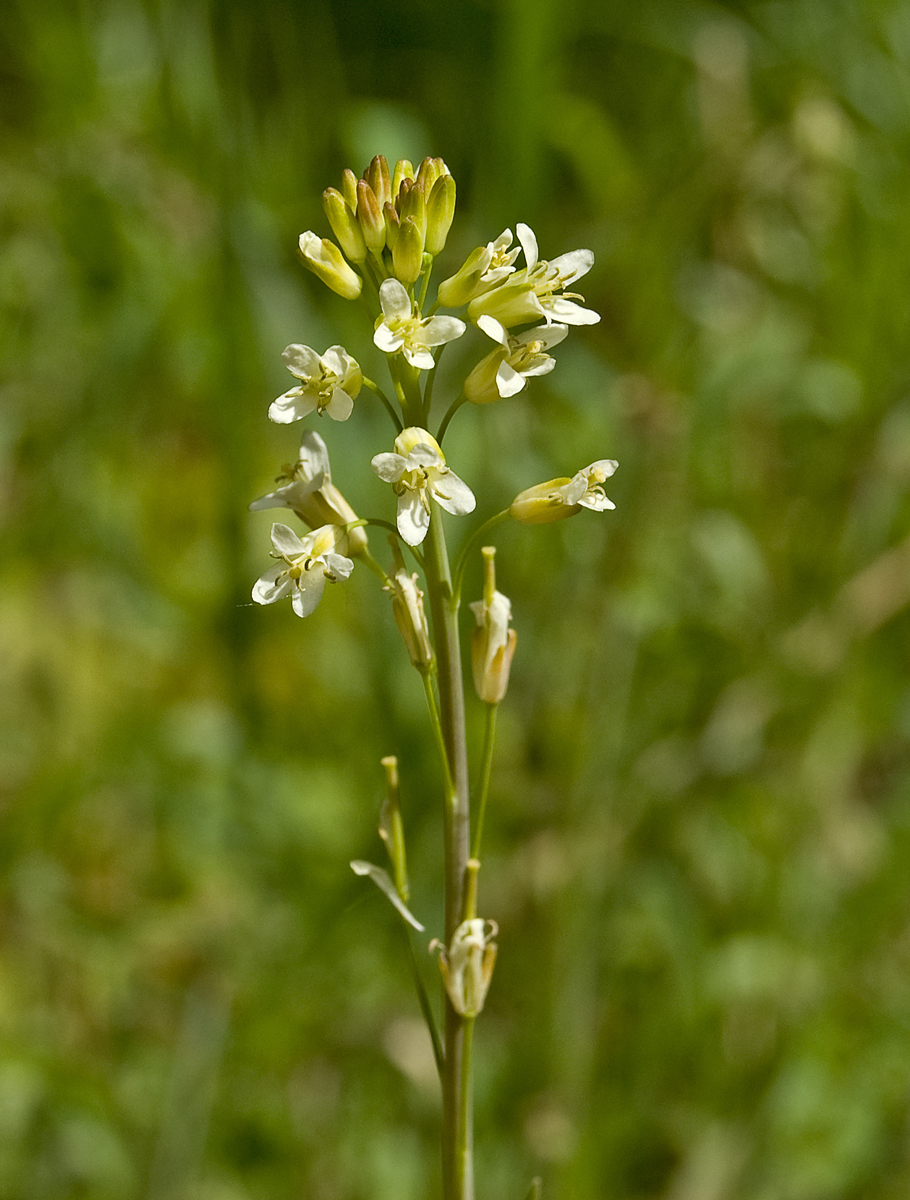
(457, 1117)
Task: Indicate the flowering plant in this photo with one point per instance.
(390, 226)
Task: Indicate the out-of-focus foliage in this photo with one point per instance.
(700, 819)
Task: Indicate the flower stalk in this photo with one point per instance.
(390, 225)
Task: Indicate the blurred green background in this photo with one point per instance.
(700, 818)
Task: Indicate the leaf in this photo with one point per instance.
(384, 883)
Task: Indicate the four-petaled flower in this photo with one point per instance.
(506, 370)
(417, 471)
(308, 490)
(401, 330)
(560, 498)
(305, 564)
(328, 384)
(538, 290)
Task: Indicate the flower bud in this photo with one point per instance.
(370, 218)
(326, 261)
(440, 213)
(407, 252)
(493, 642)
(467, 964)
(344, 225)
(413, 204)
(403, 171)
(463, 286)
(349, 188)
(377, 176)
(429, 171)
(392, 225)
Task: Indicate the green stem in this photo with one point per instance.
(457, 1139)
(452, 410)
(489, 738)
(389, 406)
(437, 731)
(424, 1001)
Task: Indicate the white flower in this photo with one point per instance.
(305, 564)
(401, 330)
(417, 470)
(505, 371)
(560, 498)
(482, 269)
(310, 493)
(584, 487)
(467, 964)
(328, 384)
(538, 290)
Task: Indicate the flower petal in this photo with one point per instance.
(389, 466)
(453, 494)
(573, 265)
(337, 566)
(385, 339)
(313, 458)
(286, 542)
(267, 589)
(569, 313)
(291, 406)
(340, 406)
(291, 495)
(436, 331)
(508, 380)
(413, 518)
(337, 360)
(308, 591)
(301, 361)
(493, 329)
(546, 335)
(419, 357)
(528, 244)
(394, 299)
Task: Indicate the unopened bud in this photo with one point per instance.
(429, 171)
(349, 188)
(440, 213)
(407, 252)
(326, 261)
(413, 204)
(377, 176)
(344, 225)
(403, 171)
(370, 218)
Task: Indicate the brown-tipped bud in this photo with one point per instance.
(413, 204)
(440, 213)
(344, 225)
(377, 176)
(370, 218)
(404, 172)
(392, 224)
(407, 253)
(326, 261)
(349, 188)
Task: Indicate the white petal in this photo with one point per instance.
(340, 406)
(540, 364)
(595, 501)
(314, 457)
(567, 312)
(291, 406)
(413, 518)
(301, 361)
(290, 496)
(337, 359)
(267, 589)
(424, 455)
(308, 591)
(337, 565)
(573, 265)
(454, 494)
(394, 299)
(419, 357)
(385, 339)
(438, 330)
(492, 328)
(389, 466)
(604, 468)
(286, 542)
(547, 335)
(508, 381)
(528, 244)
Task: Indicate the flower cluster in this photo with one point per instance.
(389, 226)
